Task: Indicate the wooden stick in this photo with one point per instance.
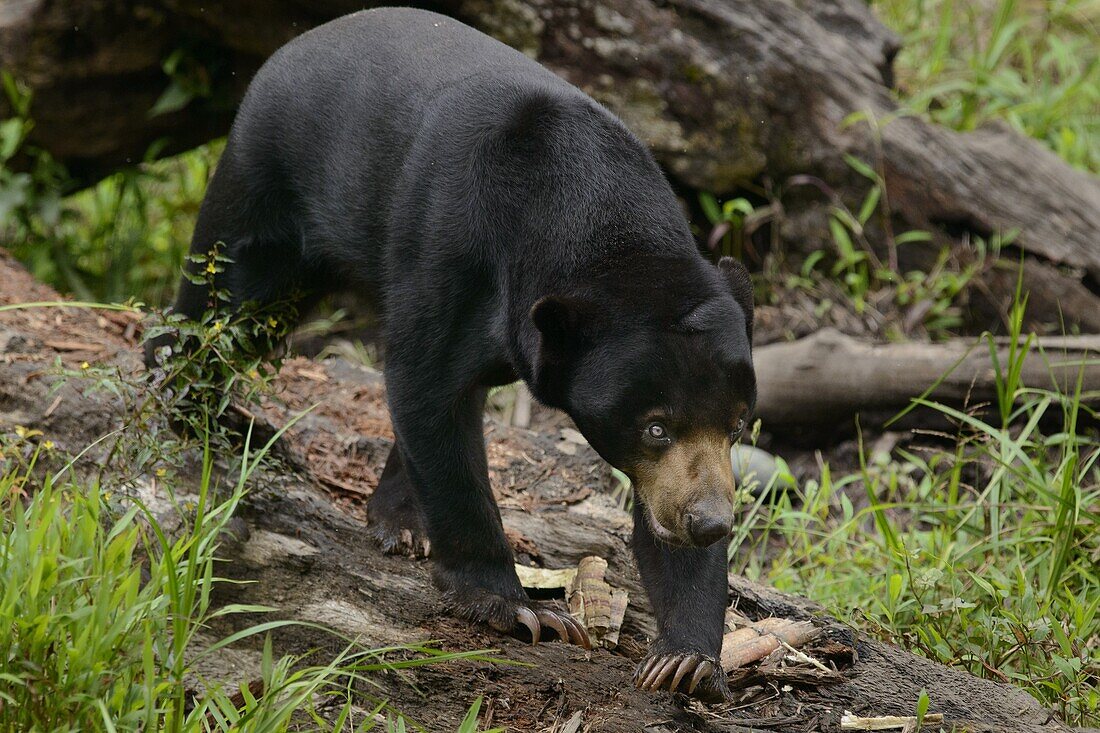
(886, 722)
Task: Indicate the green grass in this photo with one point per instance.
(88, 643)
(981, 553)
(122, 238)
(1034, 64)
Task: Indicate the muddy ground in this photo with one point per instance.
(304, 544)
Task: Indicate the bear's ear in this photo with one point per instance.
(740, 283)
(560, 322)
(557, 318)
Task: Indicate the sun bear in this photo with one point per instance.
(505, 226)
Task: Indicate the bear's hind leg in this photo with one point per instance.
(252, 227)
(394, 513)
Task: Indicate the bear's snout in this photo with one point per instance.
(708, 521)
(689, 491)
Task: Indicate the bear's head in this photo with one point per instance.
(657, 374)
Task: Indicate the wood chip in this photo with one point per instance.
(590, 595)
(545, 578)
(573, 724)
(577, 496)
(619, 600)
(53, 406)
(62, 345)
(316, 376)
(334, 483)
(595, 604)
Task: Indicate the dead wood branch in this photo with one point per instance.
(828, 378)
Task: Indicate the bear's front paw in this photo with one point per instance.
(695, 674)
(524, 619)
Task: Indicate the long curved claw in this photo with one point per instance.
(577, 633)
(689, 663)
(528, 618)
(650, 674)
(659, 670)
(643, 671)
(701, 673)
(670, 666)
(551, 619)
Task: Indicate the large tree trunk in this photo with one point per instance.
(311, 561)
(727, 95)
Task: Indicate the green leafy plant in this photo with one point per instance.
(733, 222)
(101, 606)
(1034, 65)
(225, 356)
(122, 238)
(982, 556)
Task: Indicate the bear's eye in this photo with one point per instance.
(737, 430)
(655, 432)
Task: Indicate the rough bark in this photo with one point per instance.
(828, 378)
(309, 558)
(727, 95)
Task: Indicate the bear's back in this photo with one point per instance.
(382, 68)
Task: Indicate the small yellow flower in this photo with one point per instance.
(217, 326)
(271, 322)
(85, 365)
(254, 373)
(211, 268)
(47, 445)
(21, 431)
(162, 472)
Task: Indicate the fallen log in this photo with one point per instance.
(825, 380)
(732, 98)
(306, 553)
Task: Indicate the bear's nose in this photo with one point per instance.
(706, 525)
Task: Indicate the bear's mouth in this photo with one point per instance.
(661, 532)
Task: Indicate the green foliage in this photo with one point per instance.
(87, 644)
(852, 267)
(222, 358)
(31, 194)
(122, 238)
(732, 222)
(100, 609)
(189, 80)
(984, 556)
(1032, 63)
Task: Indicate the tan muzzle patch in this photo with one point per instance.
(693, 476)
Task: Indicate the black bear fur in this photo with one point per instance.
(505, 226)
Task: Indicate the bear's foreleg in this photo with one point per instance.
(442, 456)
(688, 589)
